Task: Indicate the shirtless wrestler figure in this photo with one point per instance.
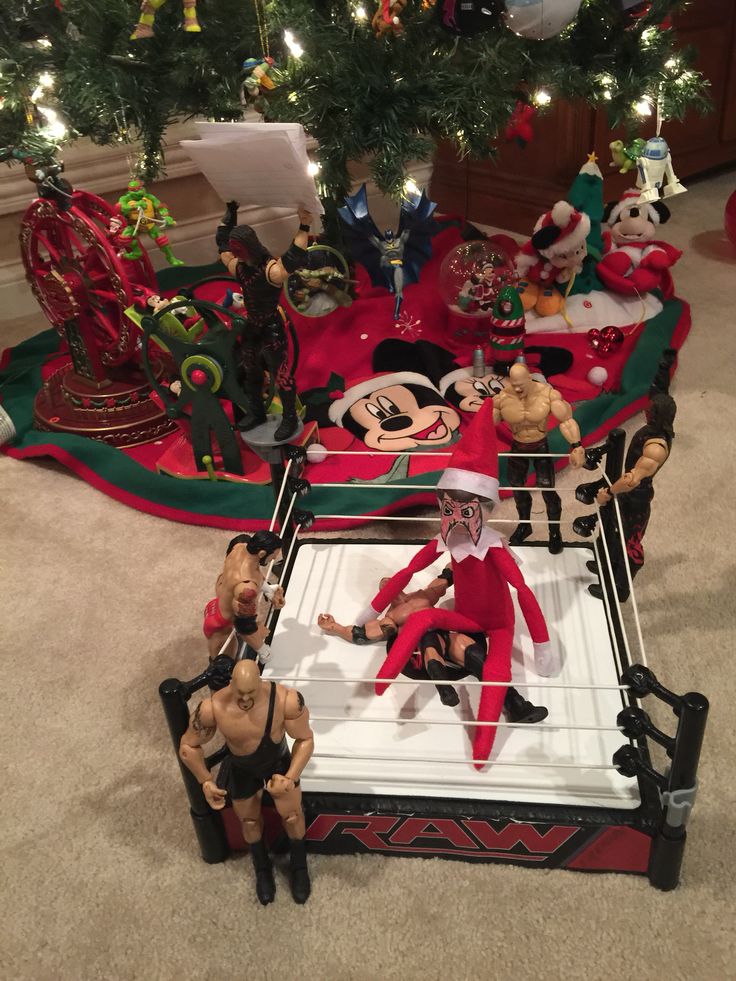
(442, 655)
(238, 589)
(254, 716)
(525, 406)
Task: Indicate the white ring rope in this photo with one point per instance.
(470, 760)
(388, 517)
(555, 456)
(629, 577)
(370, 486)
(460, 681)
(531, 726)
(279, 498)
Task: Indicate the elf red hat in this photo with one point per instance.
(474, 463)
(560, 230)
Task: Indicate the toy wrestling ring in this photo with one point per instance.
(395, 774)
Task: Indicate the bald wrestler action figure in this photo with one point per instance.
(254, 716)
(525, 406)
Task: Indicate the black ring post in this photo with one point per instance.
(665, 860)
(207, 823)
(615, 453)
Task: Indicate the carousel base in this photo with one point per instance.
(117, 411)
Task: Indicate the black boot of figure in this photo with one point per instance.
(436, 671)
(265, 885)
(517, 708)
(301, 886)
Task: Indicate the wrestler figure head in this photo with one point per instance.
(265, 544)
(520, 379)
(660, 413)
(245, 685)
(246, 246)
(461, 515)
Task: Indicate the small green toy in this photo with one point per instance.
(140, 211)
(625, 157)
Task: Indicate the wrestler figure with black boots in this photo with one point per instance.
(525, 405)
(265, 344)
(255, 716)
(648, 451)
(441, 655)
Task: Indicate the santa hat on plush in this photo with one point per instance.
(655, 211)
(343, 401)
(563, 229)
(473, 466)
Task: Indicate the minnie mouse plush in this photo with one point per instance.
(634, 261)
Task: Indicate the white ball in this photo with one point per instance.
(316, 453)
(597, 375)
(539, 20)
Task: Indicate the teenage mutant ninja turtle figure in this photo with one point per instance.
(143, 212)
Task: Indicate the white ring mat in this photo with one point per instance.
(341, 579)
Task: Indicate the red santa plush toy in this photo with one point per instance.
(483, 569)
(553, 255)
(634, 260)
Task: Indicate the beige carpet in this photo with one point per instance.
(100, 869)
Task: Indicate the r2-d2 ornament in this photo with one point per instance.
(654, 166)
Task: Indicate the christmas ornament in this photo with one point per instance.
(321, 284)
(144, 27)
(654, 166)
(472, 276)
(143, 212)
(387, 19)
(520, 124)
(729, 219)
(508, 327)
(259, 76)
(464, 18)
(607, 341)
(625, 157)
(539, 20)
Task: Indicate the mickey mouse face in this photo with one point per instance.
(571, 257)
(472, 392)
(633, 225)
(402, 417)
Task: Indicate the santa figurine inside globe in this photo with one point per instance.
(472, 275)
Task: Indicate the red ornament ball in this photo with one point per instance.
(110, 403)
(199, 377)
(607, 341)
(729, 219)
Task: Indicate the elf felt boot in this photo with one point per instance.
(301, 886)
(549, 303)
(265, 885)
(289, 420)
(436, 671)
(519, 709)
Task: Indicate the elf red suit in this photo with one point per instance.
(483, 569)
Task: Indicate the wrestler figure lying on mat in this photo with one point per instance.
(442, 655)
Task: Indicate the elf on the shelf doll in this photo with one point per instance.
(634, 260)
(553, 255)
(483, 569)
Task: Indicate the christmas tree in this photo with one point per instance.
(70, 67)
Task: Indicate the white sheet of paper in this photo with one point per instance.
(256, 164)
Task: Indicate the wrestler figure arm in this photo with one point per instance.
(653, 456)
(562, 411)
(296, 723)
(202, 727)
(276, 271)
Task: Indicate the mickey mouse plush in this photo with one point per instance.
(634, 261)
